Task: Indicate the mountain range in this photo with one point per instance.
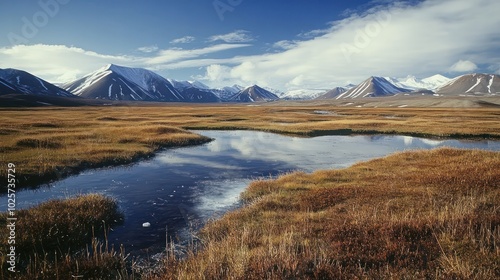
(135, 84)
(114, 82)
(412, 83)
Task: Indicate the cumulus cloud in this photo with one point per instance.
(58, 63)
(463, 66)
(238, 36)
(183, 40)
(420, 39)
(217, 72)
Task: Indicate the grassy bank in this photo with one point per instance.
(412, 215)
(50, 237)
(50, 143)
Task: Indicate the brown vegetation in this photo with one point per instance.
(412, 215)
(427, 214)
(50, 143)
(50, 238)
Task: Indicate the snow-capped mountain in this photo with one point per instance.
(331, 94)
(302, 94)
(472, 84)
(413, 83)
(22, 82)
(198, 84)
(226, 93)
(372, 87)
(436, 81)
(233, 89)
(187, 84)
(179, 85)
(123, 83)
(254, 94)
(276, 92)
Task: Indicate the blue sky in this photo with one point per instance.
(285, 44)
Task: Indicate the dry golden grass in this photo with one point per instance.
(50, 237)
(50, 143)
(413, 215)
(431, 214)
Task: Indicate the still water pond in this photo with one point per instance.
(179, 189)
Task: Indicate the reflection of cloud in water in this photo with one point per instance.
(265, 146)
(178, 160)
(218, 196)
(408, 140)
(431, 142)
(420, 142)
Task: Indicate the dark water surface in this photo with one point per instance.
(179, 189)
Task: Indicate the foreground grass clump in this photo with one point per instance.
(412, 215)
(50, 238)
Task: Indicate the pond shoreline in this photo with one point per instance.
(36, 181)
(158, 202)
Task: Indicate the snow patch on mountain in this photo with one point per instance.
(478, 81)
(303, 94)
(490, 83)
(23, 82)
(413, 83)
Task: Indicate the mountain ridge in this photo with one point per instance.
(254, 94)
(22, 82)
(472, 84)
(113, 82)
(372, 87)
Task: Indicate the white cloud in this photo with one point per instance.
(313, 33)
(217, 72)
(176, 54)
(463, 66)
(393, 40)
(183, 40)
(285, 44)
(238, 36)
(58, 63)
(148, 49)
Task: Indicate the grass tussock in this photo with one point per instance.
(412, 215)
(51, 237)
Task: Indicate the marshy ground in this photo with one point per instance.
(426, 214)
